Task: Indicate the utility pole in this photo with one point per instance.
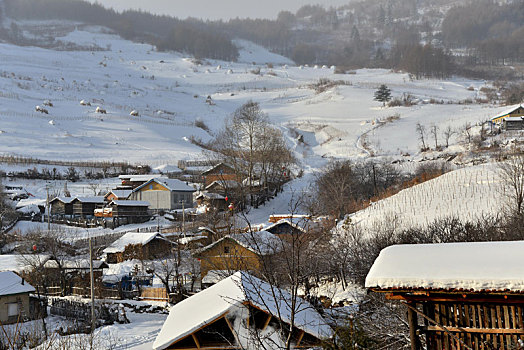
(93, 321)
(48, 208)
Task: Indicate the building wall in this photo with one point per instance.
(158, 199)
(22, 299)
(228, 255)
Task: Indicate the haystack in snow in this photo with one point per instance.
(241, 312)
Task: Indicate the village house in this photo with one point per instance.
(238, 313)
(84, 207)
(219, 172)
(458, 295)
(225, 188)
(61, 206)
(128, 211)
(15, 303)
(211, 200)
(515, 111)
(138, 245)
(241, 251)
(164, 194)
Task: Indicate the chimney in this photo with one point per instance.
(23, 281)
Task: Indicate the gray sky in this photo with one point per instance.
(216, 9)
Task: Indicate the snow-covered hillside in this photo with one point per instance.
(468, 193)
(169, 92)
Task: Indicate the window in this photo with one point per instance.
(12, 309)
(227, 250)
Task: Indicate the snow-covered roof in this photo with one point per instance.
(507, 111)
(477, 266)
(21, 262)
(215, 276)
(75, 264)
(210, 195)
(514, 119)
(261, 242)
(137, 178)
(141, 238)
(123, 202)
(120, 193)
(214, 302)
(170, 184)
(224, 183)
(216, 166)
(11, 283)
(97, 199)
(298, 223)
(65, 200)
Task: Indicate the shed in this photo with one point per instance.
(14, 298)
(466, 295)
(241, 312)
(514, 123)
(135, 211)
(164, 194)
(214, 200)
(138, 245)
(84, 207)
(62, 206)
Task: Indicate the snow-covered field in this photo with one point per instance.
(469, 193)
(169, 91)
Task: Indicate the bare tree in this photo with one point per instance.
(433, 130)
(94, 186)
(255, 149)
(466, 128)
(448, 133)
(421, 131)
(512, 174)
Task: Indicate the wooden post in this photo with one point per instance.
(413, 325)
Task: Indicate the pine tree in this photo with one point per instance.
(383, 94)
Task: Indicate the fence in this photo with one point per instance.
(70, 309)
(157, 294)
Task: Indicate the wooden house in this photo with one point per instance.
(138, 245)
(164, 194)
(237, 313)
(133, 211)
(220, 172)
(76, 273)
(15, 304)
(84, 207)
(118, 194)
(61, 206)
(458, 295)
(235, 252)
(226, 188)
(515, 111)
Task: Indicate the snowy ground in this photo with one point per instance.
(169, 91)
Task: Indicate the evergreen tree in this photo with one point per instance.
(383, 94)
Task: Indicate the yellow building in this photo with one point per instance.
(515, 111)
(238, 252)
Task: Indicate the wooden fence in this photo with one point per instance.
(156, 294)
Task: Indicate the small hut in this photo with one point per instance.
(458, 295)
(84, 207)
(138, 245)
(62, 206)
